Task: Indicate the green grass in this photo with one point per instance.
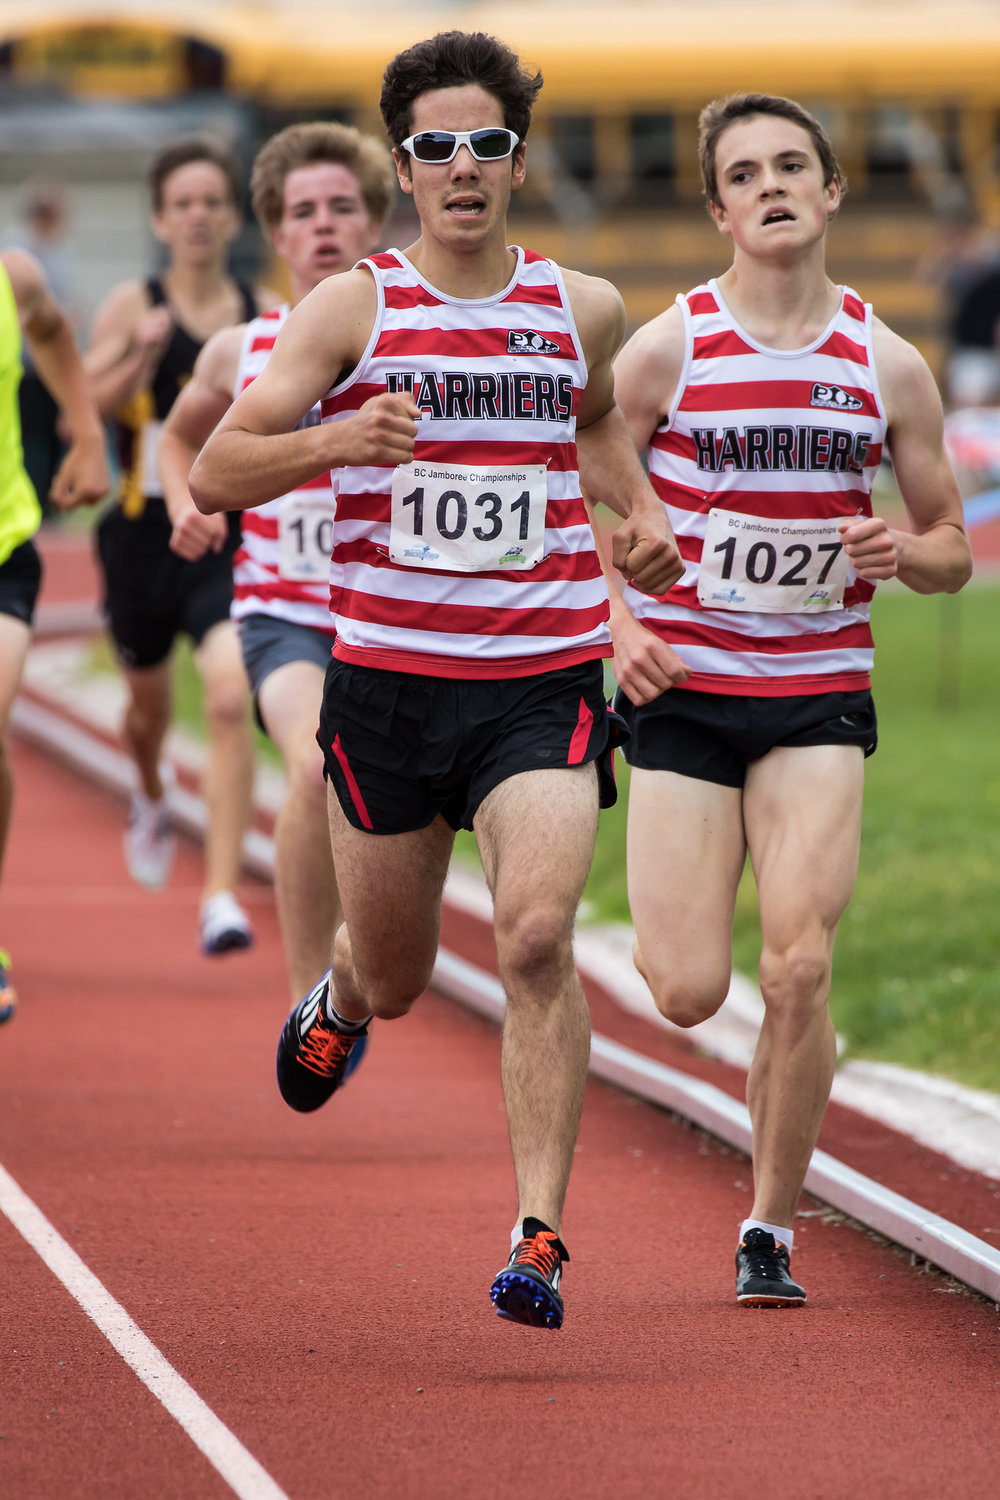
(918, 954)
(917, 964)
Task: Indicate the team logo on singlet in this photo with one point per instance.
(834, 397)
(526, 341)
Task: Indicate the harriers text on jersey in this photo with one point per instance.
(762, 453)
(476, 559)
(282, 566)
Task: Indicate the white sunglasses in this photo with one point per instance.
(490, 144)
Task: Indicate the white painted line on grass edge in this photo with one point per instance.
(212, 1437)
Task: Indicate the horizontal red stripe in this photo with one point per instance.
(469, 619)
(457, 343)
(724, 344)
(560, 457)
(696, 631)
(839, 346)
(283, 588)
(560, 567)
(350, 400)
(778, 687)
(254, 524)
(468, 667)
(736, 398)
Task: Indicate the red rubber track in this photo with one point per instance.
(322, 1282)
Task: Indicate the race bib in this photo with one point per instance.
(767, 566)
(467, 520)
(305, 539)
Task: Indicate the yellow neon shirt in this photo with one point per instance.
(20, 513)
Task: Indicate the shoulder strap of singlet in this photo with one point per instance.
(158, 295)
(249, 301)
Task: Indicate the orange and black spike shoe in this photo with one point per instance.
(527, 1289)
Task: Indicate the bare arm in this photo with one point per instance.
(258, 452)
(934, 556)
(644, 665)
(646, 375)
(199, 408)
(82, 478)
(643, 548)
(126, 341)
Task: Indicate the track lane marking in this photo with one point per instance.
(210, 1435)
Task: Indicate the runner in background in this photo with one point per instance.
(27, 308)
(764, 400)
(146, 337)
(321, 193)
(466, 685)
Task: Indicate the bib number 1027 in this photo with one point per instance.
(468, 520)
(756, 563)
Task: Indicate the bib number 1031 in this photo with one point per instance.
(760, 564)
(464, 520)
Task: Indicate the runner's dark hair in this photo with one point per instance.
(449, 60)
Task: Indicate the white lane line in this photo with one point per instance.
(224, 1451)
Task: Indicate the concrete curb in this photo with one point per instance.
(917, 1229)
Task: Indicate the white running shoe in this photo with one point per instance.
(223, 924)
(149, 840)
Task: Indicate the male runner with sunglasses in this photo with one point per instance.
(467, 391)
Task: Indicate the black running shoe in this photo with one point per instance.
(314, 1058)
(527, 1289)
(762, 1278)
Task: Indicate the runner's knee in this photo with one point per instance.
(795, 982)
(389, 979)
(304, 775)
(392, 995)
(684, 997)
(534, 945)
(225, 700)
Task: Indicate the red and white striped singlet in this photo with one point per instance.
(498, 382)
(779, 437)
(282, 565)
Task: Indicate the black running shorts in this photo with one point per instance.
(400, 748)
(152, 595)
(20, 581)
(715, 736)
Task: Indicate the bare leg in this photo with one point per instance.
(686, 852)
(803, 816)
(537, 883)
(305, 885)
(227, 783)
(147, 719)
(15, 637)
(390, 886)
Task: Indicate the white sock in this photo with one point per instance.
(782, 1236)
(349, 1028)
(516, 1235)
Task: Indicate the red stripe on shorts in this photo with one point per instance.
(352, 785)
(581, 735)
